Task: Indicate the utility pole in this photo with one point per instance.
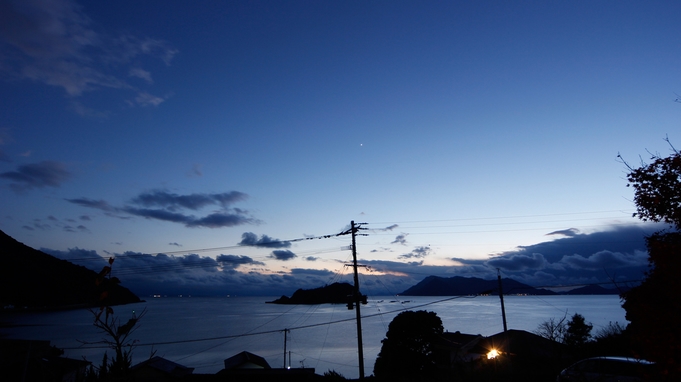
(285, 332)
(501, 296)
(357, 298)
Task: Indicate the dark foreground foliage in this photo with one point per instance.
(654, 307)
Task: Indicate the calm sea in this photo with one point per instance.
(202, 332)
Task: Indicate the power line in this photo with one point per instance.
(208, 262)
(267, 331)
(501, 217)
(274, 242)
(265, 244)
(513, 223)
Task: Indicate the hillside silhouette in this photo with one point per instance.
(464, 286)
(33, 279)
(336, 293)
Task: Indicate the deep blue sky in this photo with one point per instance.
(459, 131)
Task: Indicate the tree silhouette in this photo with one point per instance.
(654, 307)
(116, 334)
(578, 332)
(657, 189)
(553, 329)
(408, 349)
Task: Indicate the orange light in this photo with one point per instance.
(492, 354)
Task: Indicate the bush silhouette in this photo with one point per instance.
(407, 352)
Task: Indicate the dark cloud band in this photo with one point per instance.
(251, 239)
(37, 175)
(169, 207)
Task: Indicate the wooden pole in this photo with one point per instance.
(358, 298)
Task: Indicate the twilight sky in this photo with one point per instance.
(192, 141)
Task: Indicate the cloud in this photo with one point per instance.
(87, 258)
(605, 259)
(69, 225)
(520, 261)
(312, 272)
(618, 253)
(283, 255)
(175, 244)
(251, 239)
(91, 203)
(311, 258)
(388, 228)
(195, 171)
(146, 99)
(37, 175)
(159, 215)
(141, 73)
(214, 220)
(221, 219)
(170, 207)
(147, 274)
(172, 202)
(37, 224)
(57, 44)
(400, 239)
(234, 261)
(79, 228)
(416, 253)
(567, 261)
(570, 232)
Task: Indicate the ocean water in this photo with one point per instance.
(202, 332)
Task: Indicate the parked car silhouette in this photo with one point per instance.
(607, 369)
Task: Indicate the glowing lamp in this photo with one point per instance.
(492, 354)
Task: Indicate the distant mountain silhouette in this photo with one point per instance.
(594, 289)
(464, 286)
(33, 279)
(336, 293)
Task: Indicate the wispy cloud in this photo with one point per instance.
(141, 73)
(172, 201)
(195, 170)
(146, 99)
(66, 225)
(400, 239)
(92, 203)
(388, 228)
(565, 232)
(416, 253)
(37, 175)
(171, 207)
(57, 44)
(79, 228)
